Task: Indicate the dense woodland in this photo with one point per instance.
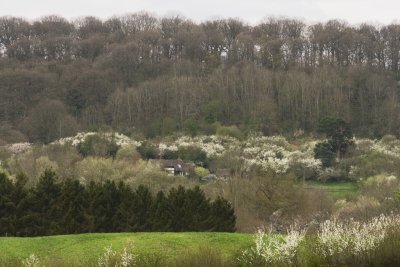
(154, 76)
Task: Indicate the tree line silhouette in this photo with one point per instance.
(274, 43)
(68, 207)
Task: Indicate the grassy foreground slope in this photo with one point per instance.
(86, 248)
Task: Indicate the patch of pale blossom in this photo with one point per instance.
(122, 140)
(273, 248)
(363, 141)
(110, 257)
(74, 140)
(264, 151)
(267, 152)
(274, 164)
(118, 138)
(380, 180)
(163, 147)
(333, 238)
(277, 165)
(277, 140)
(353, 171)
(276, 154)
(304, 159)
(336, 236)
(17, 148)
(392, 152)
(31, 261)
(127, 257)
(107, 258)
(328, 172)
(391, 149)
(387, 147)
(249, 163)
(213, 145)
(363, 144)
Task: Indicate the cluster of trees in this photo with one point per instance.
(140, 73)
(339, 136)
(69, 207)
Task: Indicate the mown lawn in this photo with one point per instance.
(337, 190)
(84, 249)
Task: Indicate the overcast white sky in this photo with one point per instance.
(252, 11)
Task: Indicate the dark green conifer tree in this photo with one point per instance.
(142, 207)
(73, 204)
(22, 205)
(176, 209)
(7, 206)
(197, 208)
(160, 220)
(105, 206)
(222, 216)
(124, 218)
(46, 211)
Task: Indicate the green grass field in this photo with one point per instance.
(84, 249)
(337, 190)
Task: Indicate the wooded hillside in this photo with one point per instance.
(142, 74)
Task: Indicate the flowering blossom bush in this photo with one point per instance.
(163, 147)
(18, 147)
(275, 153)
(387, 146)
(363, 144)
(127, 258)
(213, 145)
(31, 261)
(391, 149)
(335, 237)
(380, 181)
(110, 258)
(118, 138)
(271, 248)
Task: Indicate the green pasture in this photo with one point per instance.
(336, 190)
(84, 249)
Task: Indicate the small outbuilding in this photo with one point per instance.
(176, 167)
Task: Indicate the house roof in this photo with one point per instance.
(177, 164)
